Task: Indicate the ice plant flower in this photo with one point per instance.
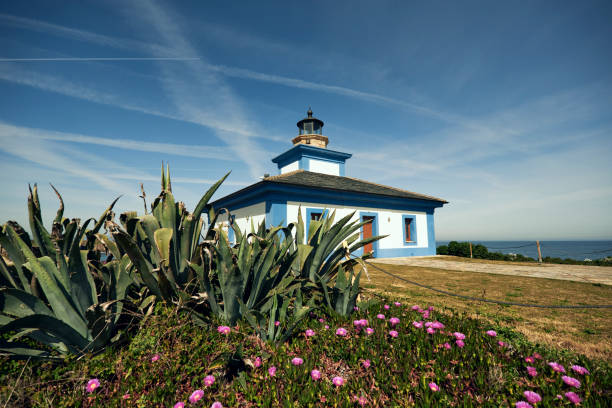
(362, 401)
(257, 362)
(216, 404)
(571, 381)
(523, 404)
(393, 333)
(366, 363)
(394, 321)
(426, 314)
(501, 344)
(418, 325)
(338, 381)
(224, 329)
(430, 330)
(459, 336)
(460, 343)
(447, 346)
(315, 375)
(380, 316)
(369, 330)
(386, 307)
(537, 355)
(415, 307)
(398, 304)
(277, 323)
(437, 325)
(580, 370)
(532, 397)
(529, 360)
(196, 396)
(321, 320)
(356, 308)
(179, 404)
(296, 361)
(428, 324)
(92, 385)
(272, 371)
(309, 332)
(341, 331)
(556, 367)
(434, 387)
(532, 371)
(209, 380)
(326, 327)
(573, 397)
(155, 357)
(126, 396)
(430, 309)
(491, 333)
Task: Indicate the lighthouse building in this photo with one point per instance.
(312, 179)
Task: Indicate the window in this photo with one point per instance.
(409, 226)
(316, 216)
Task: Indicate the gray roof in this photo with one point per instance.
(349, 184)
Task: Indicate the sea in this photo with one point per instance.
(579, 250)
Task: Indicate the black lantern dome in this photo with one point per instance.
(310, 131)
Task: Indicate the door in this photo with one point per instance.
(368, 232)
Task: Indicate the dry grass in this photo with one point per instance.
(586, 331)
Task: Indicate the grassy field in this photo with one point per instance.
(586, 331)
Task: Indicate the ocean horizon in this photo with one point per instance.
(578, 250)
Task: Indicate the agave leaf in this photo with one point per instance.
(22, 351)
(6, 272)
(82, 284)
(18, 303)
(103, 217)
(109, 244)
(60, 210)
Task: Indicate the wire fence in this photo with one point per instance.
(478, 299)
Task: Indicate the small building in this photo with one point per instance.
(313, 178)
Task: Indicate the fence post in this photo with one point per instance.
(539, 252)
(471, 250)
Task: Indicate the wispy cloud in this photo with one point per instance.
(90, 59)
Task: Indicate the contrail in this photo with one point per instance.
(95, 59)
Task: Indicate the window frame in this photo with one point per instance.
(413, 230)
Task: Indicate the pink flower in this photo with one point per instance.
(92, 385)
(224, 329)
(362, 400)
(277, 323)
(309, 332)
(428, 324)
(557, 367)
(321, 320)
(196, 396)
(179, 404)
(573, 397)
(360, 323)
(415, 307)
(532, 397)
(426, 314)
(459, 336)
(537, 355)
(434, 387)
(338, 381)
(447, 346)
(393, 333)
(529, 360)
(356, 308)
(316, 375)
(341, 332)
(491, 333)
(369, 330)
(380, 316)
(501, 344)
(272, 371)
(155, 357)
(532, 371)
(430, 330)
(571, 381)
(394, 321)
(326, 327)
(216, 404)
(580, 370)
(386, 307)
(209, 380)
(522, 404)
(418, 325)
(437, 325)
(126, 396)
(430, 308)
(366, 364)
(398, 304)
(460, 343)
(257, 362)
(296, 361)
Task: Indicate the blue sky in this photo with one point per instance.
(502, 108)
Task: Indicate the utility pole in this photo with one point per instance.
(539, 252)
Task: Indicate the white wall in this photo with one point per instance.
(322, 166)
(390, 222)
(243, 216)
(290, 167)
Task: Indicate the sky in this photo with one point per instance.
(504, 109)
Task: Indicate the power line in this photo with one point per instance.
(499, 302)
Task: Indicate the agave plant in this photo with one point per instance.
(54, 299)
(161, 244)
(324, 259)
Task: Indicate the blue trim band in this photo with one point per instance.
(276, 213)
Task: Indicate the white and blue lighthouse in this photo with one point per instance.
(312, 179)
